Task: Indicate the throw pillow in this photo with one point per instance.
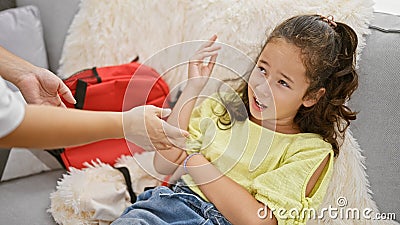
(22, 34)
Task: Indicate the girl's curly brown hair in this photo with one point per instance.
(328, 52)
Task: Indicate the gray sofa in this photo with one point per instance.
(25, 200)
(377, 127)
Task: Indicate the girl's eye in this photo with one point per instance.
(283, 83)
(262, 70)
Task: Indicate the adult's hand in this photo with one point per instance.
(41, 86)
(37, 85)
(144, 127)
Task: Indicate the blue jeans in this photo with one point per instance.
(179, 206)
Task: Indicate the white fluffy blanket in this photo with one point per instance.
(111, 32)
(114, 32)
(97, 194)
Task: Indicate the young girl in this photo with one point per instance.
(270, 163)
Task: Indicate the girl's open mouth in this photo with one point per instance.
(259, 104)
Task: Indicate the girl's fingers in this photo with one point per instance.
(203, 55)
(210, 41)
(206, 52)
(199, 58)
(211, 64)
(209, 49)
(213, 38)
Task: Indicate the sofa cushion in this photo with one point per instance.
(22, 34)
(56, 18)
(26, 200)
(377, 128)
(6, 4)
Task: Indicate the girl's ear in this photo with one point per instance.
(313, 98)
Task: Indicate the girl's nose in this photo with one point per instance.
(263, 89)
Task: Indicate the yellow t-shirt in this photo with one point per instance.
(274, 167)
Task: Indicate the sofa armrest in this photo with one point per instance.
(376, 128)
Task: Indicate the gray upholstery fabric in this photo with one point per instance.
(25, 200)
(56, 17)
(377, 127)
(6, 4)
(22, 34)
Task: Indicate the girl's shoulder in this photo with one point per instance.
(297, 140)
(309, 145)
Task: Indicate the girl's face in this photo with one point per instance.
(277, 86)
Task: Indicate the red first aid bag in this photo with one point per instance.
(112, 88)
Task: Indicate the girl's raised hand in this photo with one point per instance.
(199, 71)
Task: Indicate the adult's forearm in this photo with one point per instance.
(52, 127)
(12, 66)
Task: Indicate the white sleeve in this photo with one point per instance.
(12, 109)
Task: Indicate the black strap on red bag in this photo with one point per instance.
(81, 88)
(128, 182)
